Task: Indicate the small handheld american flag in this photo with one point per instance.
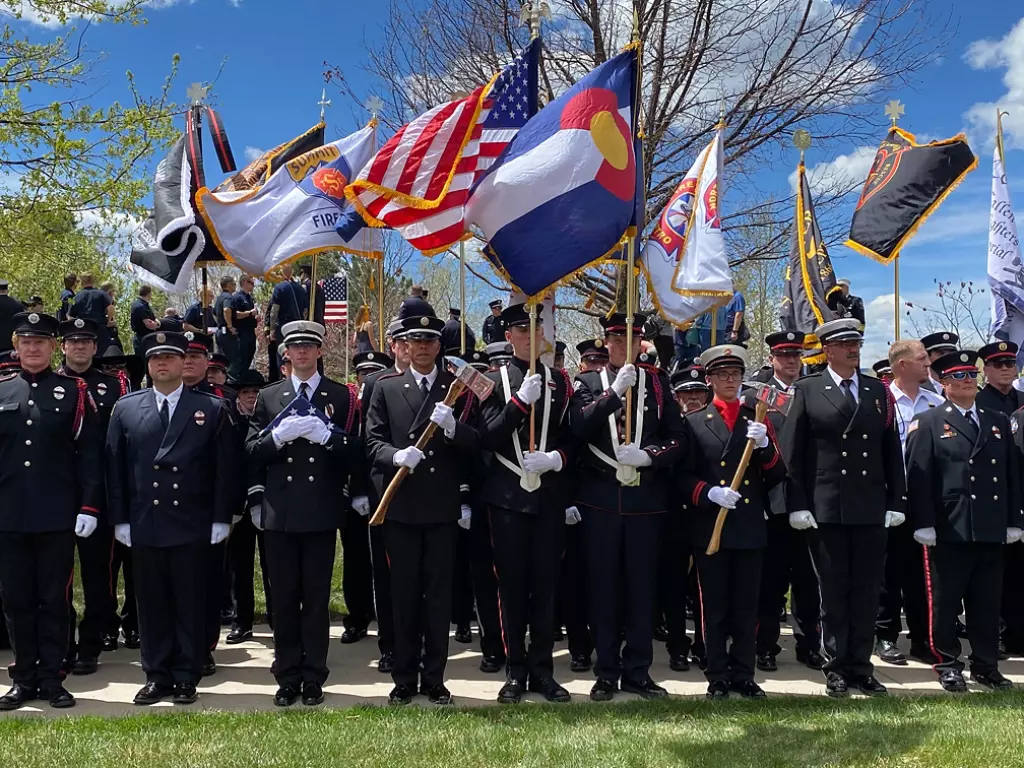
(335, 290)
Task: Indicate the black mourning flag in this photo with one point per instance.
(907, 182)
(810, 279)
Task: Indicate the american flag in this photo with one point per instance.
(419, 181)
(335, 291)
(514, 101)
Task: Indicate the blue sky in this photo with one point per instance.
(273, 76)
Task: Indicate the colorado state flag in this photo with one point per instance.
(562, 195)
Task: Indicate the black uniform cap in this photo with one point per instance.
(941, 341)
(372, 361)
(250, 379)
(951, 362)
(79, 328)
(998, 350)
(592, 348)
(218, 360)
(783, 341)
(517, 314)
(165, 343)
(35, 324)
(692, 377)
(616, 324)
(422, 327)
(199, 342)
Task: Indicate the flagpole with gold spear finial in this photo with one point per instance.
(894, 110)
(323, 104)
(374, 105)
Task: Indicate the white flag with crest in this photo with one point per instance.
(1005, 271)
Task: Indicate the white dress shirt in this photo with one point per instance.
(312, 383)
(973, 410)
(907, 409)
(430, 378)
(172, 400)
(854, 385)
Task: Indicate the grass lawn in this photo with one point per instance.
(975, 730)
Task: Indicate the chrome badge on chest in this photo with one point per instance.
(200, 418)
(58, 393)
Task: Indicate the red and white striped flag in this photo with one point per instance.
(419, 181)
(335, 292)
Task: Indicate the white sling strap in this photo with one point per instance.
(528, 481)
(625, 474)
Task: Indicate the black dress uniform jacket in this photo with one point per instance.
(836, 469)
(713, 463)
(50, 444)
(967, 488)
(396, 418)
(666, 437)
(500, 420)
(305, 483)
(160, 482)
(991, 399)
(104, 389)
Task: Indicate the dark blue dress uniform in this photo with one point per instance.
(94, 553)
(527, 527)
(963, 480)
(730, 579)
(304, 503)
(845, 466)
(421, 525)
(622, 524)
(171, 486)
(48, 429)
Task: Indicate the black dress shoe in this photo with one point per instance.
(17, 697)
(132, 641)
(890, 653)
(700, 660)
(209, 665)
(580, 663)
(185, 693)
(511, 692)
(352, 635)
(549, 688)
(953, 681)
(286, 696)
(238, 635)
(438, 694)
(718, 690)
(679, 663)
(603, 690)
(748, 689)
(994, 680)
(867, 684)
(645, 689)
(84, 666)
(810, 658)
(58, 697)
(463, 635)
(109, 643)
(661, 633)
(386, 663)
(492, 664)
(312, 694)
(400, 695)
(151, 693)
(835, 685)
(766, 662)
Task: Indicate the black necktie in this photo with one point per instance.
(304, 390)
(165, 414)
(848, 391)
(970, 420)
(424, 388)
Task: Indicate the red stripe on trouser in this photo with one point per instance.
(110, 572)
(501, 622)
(931, 606)
(703, 621)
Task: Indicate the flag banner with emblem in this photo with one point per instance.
(300, 211)
(266, 165)
(907, 182)
(810, 280)
(684, 259)
(1005, 272)
(335, 293)
(562, 195)
(300, 406)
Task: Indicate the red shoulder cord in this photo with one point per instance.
(353, 406)
(83, 393)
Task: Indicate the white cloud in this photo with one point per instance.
(1006, 54)
(253, 153)
(236, 3)
(118, 226)
(27, 11)
(844, 173)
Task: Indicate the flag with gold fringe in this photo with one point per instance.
(907, 182)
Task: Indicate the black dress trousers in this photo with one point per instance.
(95, 556)
(127, 619)
(903, 589)
(729, 583)
(357, 571)
(787, 568)
(243, 545)
(485, 585)
(573, 591)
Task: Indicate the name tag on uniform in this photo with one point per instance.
(200, 418)
(996, 433)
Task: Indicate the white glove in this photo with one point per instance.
(925, 536)
(539, 463)
(443, 417)
(530, 389)
(123, 533)
(632, 455)
(758, 433)
(361, 504)
(291, 428)
(892, 519)
(467, 515)
(408, 457)
(254, 513)
(85, 525)
(801, 520)
(724, 497)
(572, 516)
(219, 532)
(1013, 535)
(624, 379)
(317, 432)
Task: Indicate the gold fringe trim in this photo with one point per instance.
(658, 308)
(802, 244)
(693, 215)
